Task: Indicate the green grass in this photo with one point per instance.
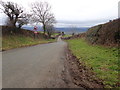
(54, 34)
(103, 60)
(16, 41)
(66, 35)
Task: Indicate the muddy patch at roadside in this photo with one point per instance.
(81, 75)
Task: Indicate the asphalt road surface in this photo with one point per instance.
(40, 66)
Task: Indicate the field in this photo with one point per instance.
(102, 60)
(15, 41)
(66, 35)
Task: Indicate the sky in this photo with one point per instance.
(79, 13)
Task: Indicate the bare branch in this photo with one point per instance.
(42, 13)
(12, 10)
(24, 20)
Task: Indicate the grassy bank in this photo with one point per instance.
(104, 61)
(16, 41)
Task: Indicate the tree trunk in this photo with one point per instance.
(15, 20)
(14, 24)
(49, 35)
(44, 28)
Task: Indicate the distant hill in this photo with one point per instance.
(31, 28)
(67, 30)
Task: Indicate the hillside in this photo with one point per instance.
(15, 38)
(6, 30)
(105, 34)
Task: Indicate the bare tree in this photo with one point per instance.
(50, 29)
(13, 11)
(23, 21)
(42, 13)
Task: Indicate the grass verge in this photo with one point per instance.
(16, 41)
(103, 61)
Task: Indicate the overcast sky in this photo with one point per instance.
(79, 13)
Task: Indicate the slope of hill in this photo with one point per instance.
(15, 38)
(105, 34)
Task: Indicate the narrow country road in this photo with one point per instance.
(40, 66)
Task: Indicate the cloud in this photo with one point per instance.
(79, 12)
